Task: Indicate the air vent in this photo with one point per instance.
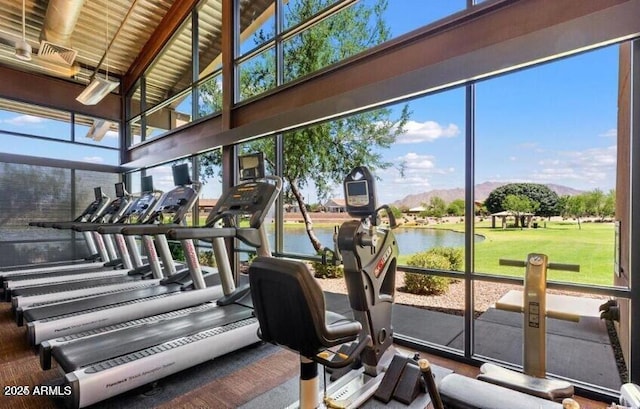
(57, 53)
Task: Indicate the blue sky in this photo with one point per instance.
(554, 123)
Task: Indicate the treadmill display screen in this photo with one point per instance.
(97, 193)
(181, 175)
(146, 184)
(119, 189)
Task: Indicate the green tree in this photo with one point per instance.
(437, 207)
(609, 207)
(519, 205)
(541, 194)
(594, 202)
(456, 208)
(320, 156)
(576, 207)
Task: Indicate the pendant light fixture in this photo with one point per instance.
(23, 49)
(99, 88)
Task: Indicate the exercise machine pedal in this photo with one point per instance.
(410, 383)
(344, 350)
(391, 378)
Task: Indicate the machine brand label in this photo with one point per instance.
(191, 252)
(382, 262)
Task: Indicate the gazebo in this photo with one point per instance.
(508, 213)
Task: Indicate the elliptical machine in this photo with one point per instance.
(290, 308)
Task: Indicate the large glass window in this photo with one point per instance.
(170, 115)
(96, 131)
(172, 72)
(210, 96)
(44, 193)
(416, 150)
(38, 131)
(257, 75)
(546, 166)
(27, 119)
(404, 16)
(256, 23)
(545, 176)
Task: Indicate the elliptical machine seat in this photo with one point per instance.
(290, 308)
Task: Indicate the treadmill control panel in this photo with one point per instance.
(251, 199)
(176, 202)
(140, 207)
(98, 204)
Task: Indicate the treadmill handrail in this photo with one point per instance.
(201, 233)
(147, 229)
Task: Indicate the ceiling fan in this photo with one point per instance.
(50, 58)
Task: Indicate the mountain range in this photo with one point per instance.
(482, 190)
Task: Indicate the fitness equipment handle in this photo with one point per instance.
(550, 266)
(390, 216)
(427, 376)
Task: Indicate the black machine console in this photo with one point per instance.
(252, 198)
(142, 204)
(359, 193)
(174, 203)
(98, 202)
(178, 201)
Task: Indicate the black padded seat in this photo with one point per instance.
(290, 308)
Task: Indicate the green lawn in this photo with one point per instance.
(592, 247)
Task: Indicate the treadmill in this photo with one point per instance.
(91, 213)
(100, 366)
(161, 294)
(138, 212)
(114, 211)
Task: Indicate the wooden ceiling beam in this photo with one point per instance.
(167, 27)
(55, 93)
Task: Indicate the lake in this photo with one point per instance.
(410, 240)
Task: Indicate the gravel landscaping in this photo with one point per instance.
(452, 302)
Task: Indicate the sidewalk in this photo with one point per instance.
(576, 350)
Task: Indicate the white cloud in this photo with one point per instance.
(415, 162)
(24, 120)
(428, 131)
(590, 167)
(611, 133)
(93, 159)
(162, 177)
(419, 171)
(112, 134)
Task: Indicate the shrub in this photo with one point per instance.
(455, 255)
(177, 252)
(326, 270)
(207, 258)
(426, 284)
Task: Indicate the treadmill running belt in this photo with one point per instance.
(101, 301)
(85, 352)
(31, 291)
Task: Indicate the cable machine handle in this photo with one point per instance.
(550, 266)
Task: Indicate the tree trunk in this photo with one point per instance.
(308, 223)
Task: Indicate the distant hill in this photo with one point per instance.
(481, 192)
